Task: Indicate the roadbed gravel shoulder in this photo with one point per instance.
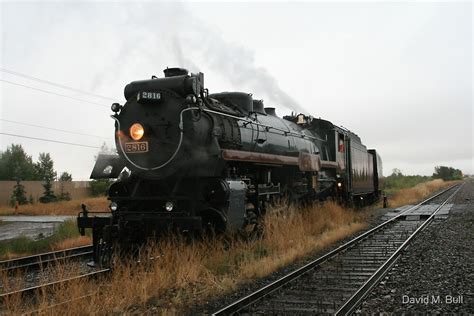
(436, 272)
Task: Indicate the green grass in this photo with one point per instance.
(395, 183)
(25, 246)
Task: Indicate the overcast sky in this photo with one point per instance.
(399, 75)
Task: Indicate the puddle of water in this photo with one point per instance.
(10, 230)
(30, 226)
(36, 219)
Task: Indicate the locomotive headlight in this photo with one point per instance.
(339, 184)
(169, 206)
(137, 131)
(113, 206)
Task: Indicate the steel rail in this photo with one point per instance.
(50, 307)
(264, 291)
(351, 303)
(35, 261)
(31, 290)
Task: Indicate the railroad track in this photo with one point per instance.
(31, 291)
(41, 260)
(35, 262)
(337, 282)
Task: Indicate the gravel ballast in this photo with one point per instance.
(436, 272)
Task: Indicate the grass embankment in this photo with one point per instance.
(65, 236)
(185, 274)
(58, 208)
(417, 193)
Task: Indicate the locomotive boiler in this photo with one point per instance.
(192, 161)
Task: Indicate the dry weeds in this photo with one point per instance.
(72, 243)
(417, 193)
(15, 304)
(185, 274)
(58, 208)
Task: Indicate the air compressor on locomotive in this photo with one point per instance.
(191, 161)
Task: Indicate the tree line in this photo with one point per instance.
(17, 165)
(397, 180)
(447, 173)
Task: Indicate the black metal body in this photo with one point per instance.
(215, 161)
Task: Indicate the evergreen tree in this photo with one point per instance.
(48, 175)
(65, 177)
(19, 194)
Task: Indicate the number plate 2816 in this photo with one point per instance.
(136, 147)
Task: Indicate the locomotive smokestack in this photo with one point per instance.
(271, 111)
(173, 72)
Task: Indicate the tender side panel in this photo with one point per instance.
(362, 169)
(378, 174)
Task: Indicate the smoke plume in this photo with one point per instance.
(231, 61)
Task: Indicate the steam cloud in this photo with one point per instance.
(172, 28)
(237, 63)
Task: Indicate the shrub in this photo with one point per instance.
(99, 187)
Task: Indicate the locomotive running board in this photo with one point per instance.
(305, 161)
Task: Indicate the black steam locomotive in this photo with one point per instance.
(191, 161)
